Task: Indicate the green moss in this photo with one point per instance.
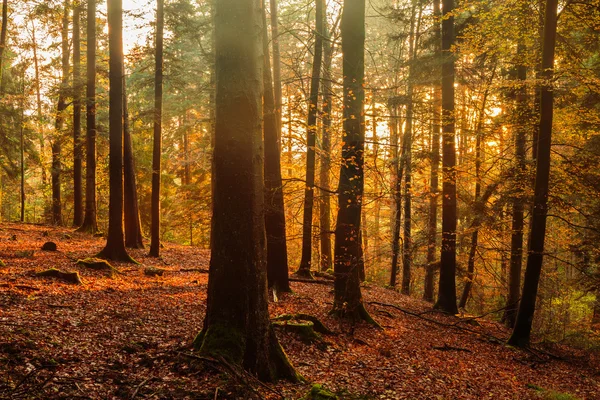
(551, 394)
(221, 341)
(318, 392)
(2, 265)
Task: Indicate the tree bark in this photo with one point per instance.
(157, 143)
(447, 284)
(397, 172)
(429, 288)
(133, 225)
(3, 41)
(347, 295)
(115, 244)
(237, 325)
(276, 68)
(311, 134)
(521, 333)
(77, 144)
(38, 94)
(90, 223)
(277, 263)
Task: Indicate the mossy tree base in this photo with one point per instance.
(98, 265)
(304, 273)
(109, 253)
(356, 313)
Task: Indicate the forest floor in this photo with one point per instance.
(128, 336)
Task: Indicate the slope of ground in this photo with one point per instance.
(127, 336)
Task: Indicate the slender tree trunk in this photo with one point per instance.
(60, 119)
(277, 264)
(77, 143)
(3, 41)
(90, 223)
(522, 330)
(115, 244)
(447, 286)
(40, 120)
(276, 68)
(133, 225)
(237, 325)
(157, 146)
(377, 199)
(347, 295)
(518, 203)
(309, 191)
(22, 146)
(397, 172)
(435, 167)
(325, 165)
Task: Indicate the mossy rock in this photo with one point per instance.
(318, 392)
(49, 246)
(304, 329)
(24, 254)
(70, 277)
(154, 271)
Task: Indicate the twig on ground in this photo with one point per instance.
(138, 387)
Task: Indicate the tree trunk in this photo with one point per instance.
(376, 189)
(325, 165)
(3, 41)
(157, 143)
(115, 244)
(133, 225)
(38, 94)
(60, 119)
(90, 223)
(277, 264)
(518, 202)
(447, 285)
(347, 295)
(22, 145)
(435, 166)
(397, 172)
(309, 191)
(276, 68)
(522, 330)
(237, 325)
(77, 144)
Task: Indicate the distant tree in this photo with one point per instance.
(311, 136)
(3, 39)
(131, 212)
(237, 325)
(90, 223)
(522, 329)
(115, 244)
(447, 286)
(157, 142)
(77, 142)
(277, 263)
(347, 249)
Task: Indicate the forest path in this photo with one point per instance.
(128, 335)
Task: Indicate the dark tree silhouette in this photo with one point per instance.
(77, 144)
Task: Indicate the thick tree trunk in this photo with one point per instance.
(429, 288)
(325, 165)
(77, 144)
(518, 203)
(277, 263)
(157, 143)
(311, 133)
(90, 223)
(115, 244)
(347, 295)
(447, 285)
(60, 119)
(237, 325)
(131, 217)
(522, 330)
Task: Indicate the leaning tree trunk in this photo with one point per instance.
(90, 223)
(77, 145)
(311, 132)
(447, 286)
(522, 330)
(131, 212)
(115, 244)
(157, 143)
(435, 166)
(237, 325)
(277, 264)
(60, 120)
(347, 295)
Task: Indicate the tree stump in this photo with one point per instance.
(70, 277)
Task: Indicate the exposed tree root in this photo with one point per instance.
(71, 277)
